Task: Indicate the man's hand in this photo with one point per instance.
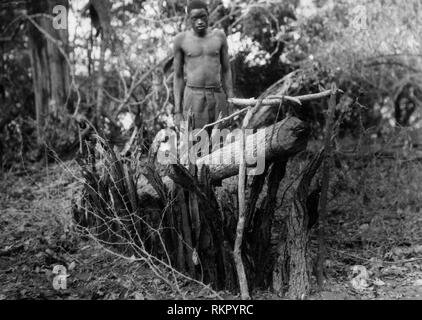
(231, 110)
(230, 106)
(178, 119)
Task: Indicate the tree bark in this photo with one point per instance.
(298, 234)
(50, 71)
(261, 226)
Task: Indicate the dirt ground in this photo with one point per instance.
(374, 247)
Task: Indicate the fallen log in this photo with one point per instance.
(283, 139)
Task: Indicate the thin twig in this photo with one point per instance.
(237, 252)
(130, 142)
(234, 115)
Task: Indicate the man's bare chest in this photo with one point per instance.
(196, 47)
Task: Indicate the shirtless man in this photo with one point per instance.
(203, 54)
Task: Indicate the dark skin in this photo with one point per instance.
(203, 53)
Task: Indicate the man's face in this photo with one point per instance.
(199, 20)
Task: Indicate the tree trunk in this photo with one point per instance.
(298, 241)
(100, 14)
(298, 232)
(261, 226)
(100, 89)
(50, 71)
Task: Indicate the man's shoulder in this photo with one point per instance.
(178, 39)
(219, 33)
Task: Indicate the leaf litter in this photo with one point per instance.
(37, 234)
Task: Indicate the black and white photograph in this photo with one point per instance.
(211, 154)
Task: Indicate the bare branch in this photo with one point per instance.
(276, 100)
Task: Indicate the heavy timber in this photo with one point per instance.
(282, 140)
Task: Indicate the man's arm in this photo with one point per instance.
(226, 72)
(178, 80)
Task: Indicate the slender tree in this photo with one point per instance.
(48, 47)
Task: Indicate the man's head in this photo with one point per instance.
(198, 15)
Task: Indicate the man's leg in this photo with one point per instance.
(191, 106)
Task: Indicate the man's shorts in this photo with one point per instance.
(205, 105)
